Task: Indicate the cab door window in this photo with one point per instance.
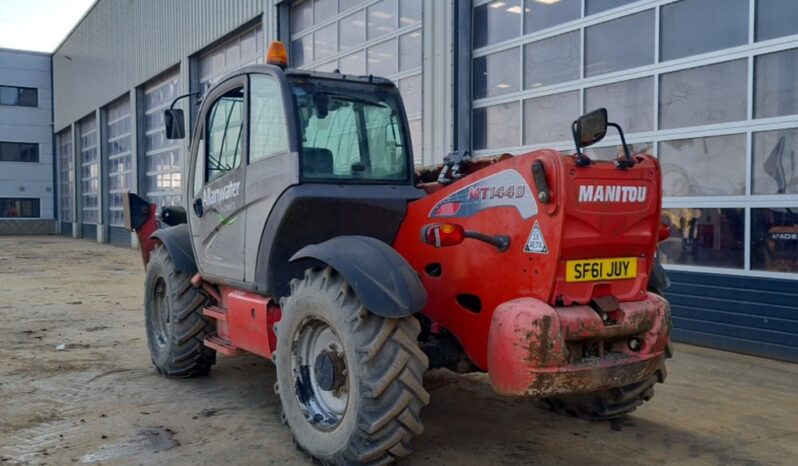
(224, 132)
(268, 129)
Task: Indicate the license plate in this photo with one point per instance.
(586, 270)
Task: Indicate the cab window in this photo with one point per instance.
(268, 132)
(224, 131)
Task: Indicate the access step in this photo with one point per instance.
(220, 344)
(216, 312)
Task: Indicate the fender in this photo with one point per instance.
(380, 276)
(177, 240)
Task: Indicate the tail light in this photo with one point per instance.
(443, 234)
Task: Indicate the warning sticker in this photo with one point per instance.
(536, 243)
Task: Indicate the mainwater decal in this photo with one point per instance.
(504, 189)
(211, 197)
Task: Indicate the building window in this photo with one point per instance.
(608, 46)
(497, 126)
(19, 208)
(775, 169)
(628, 103)
(597, 6)
(551, 61)
(708, 237)
(707, 166)
(776, 18)
(774, 239)
(548, 118)
(19, 96)
(497, 74)
(690, 27)
(776, 85)
(704, 95)
(19, 152)
(543, 15)
(496, 22)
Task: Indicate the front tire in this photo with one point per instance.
(176, 328)
(350, 381)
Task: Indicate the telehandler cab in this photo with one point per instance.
(308, 239)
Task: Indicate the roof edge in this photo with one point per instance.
(74, 28)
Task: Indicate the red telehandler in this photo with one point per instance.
(307, 238)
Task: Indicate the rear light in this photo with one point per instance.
(443, 234)
(664, 232)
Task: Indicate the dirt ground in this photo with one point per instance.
(99, 400)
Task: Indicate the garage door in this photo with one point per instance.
(89, 176)
(242, 49)
(66, 181)
(120, 168)
(163, 157)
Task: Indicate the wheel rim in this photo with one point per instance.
(160, 311)
(318, 368)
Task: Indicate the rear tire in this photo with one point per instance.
(607, 404)
(367, 409)
(176, 328)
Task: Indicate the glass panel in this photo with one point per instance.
(497, 126)
(708, 166)
(410, 51)
(411, 94)
(354, 63)
(302, 51)
(28, 97)
(775, 169)
(608, 46)
(410, 12)
(19, 208)
(268, 129)
(323, 9)
(552, 61)
(301, 16)
(628, 103)
(776, 84)
(382, 18)
(774, 239)
(336, 146)
(383, 59)
(776, 18)
(325, 42)
(19, 152)
(549, 118)
(597, 6)
(224, 130)
(344, 5)
(496, 74)
(496, 22)
(704, 236)
(328, 67)
(353, 30)
(705, 95)
(614, 152)
(541, 15)
(690, 27)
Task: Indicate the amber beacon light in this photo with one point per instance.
(277, 55)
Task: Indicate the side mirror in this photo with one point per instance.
(590, 128)
(174, 121)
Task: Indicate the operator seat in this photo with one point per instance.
(317, 161)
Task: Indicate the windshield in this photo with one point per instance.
(350, 135)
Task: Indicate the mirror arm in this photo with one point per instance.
(581, 159)
(180, 97)
(627, 161)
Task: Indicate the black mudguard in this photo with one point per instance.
(658, 280)
(177, 240)
(381, 278)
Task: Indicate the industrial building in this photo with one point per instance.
(708, 86)
(27, 198)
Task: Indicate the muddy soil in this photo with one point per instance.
(99, 401)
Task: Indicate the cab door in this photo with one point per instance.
(218, 177)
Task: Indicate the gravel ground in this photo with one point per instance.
(99, 401)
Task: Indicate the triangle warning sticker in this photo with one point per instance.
(536, 243)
